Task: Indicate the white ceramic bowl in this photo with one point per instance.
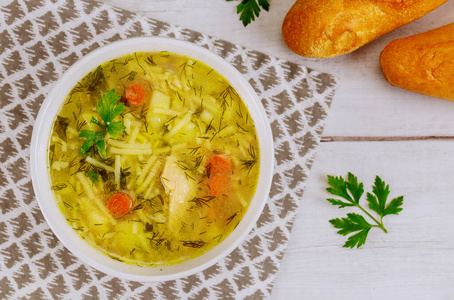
(42, 186)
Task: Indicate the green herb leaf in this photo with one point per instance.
(101, 146)
(353, 223)
(107, 106)
(92, 137)
(93, 175)
(338, 187)
(115, 128)
(356, 189)
(352, 190)
(264, 4)
(94, 121)
(357, 239)
(108, 109)
(249, 9)
(394, 207)
(340, 203)
(381, 192)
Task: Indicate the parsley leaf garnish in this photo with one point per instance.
(93, 175)
(249, 9)
(107, 108)
(92, 138)
(351, 191)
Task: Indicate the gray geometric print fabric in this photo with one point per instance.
(39, 40)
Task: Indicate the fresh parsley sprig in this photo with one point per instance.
(249, 9)
(351, 191)
(107, 108)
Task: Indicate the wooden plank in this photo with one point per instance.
(413, 261)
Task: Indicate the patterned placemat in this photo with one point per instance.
(39, 40)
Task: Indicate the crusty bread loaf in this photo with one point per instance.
(328, 28)
(422, 63)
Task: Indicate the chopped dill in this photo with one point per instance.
(109, 187)
(165, 53)
(188, 176)
(239, 127)
(229, 219)
(239, 112)
(248, 164)
(149, 60)
(170, 120)
(138, 63)
(59, 187)
(194, 150)
(198, 162)
(67, 204)
(130, 76)
(124, 173)
(51, 154)
(183, 226)
(193, 244)
(182, 166)
(210, 126)
(179, 97)
(218, 237)
(94, 79)
(115, 258)
(160, 198)
(72, 185)
(201, 201)
(80, 125)
(228, 93)
(183, 68)
(110, 161)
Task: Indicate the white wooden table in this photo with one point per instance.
(373, 129)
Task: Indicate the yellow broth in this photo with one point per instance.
(163, 160)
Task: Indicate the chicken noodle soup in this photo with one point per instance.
(153, 158)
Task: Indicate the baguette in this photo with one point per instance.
(422, 63)
(328, 28)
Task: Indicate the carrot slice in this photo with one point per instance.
(119, 204)
(135, 94)
(219, 184)
(217, 164)
(218, 168)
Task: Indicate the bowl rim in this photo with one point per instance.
(41, 183)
